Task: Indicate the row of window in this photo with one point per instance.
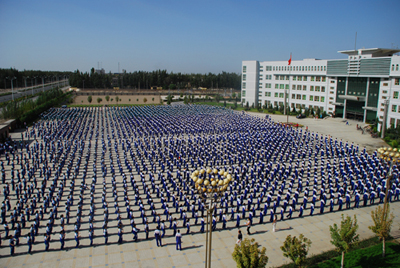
(296, 96)
(397, 67)
(297, 87)
(294, 68)
(294, 78)
(297, 105)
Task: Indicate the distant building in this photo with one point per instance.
(100, 71)
(356, 88)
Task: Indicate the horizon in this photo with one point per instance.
(186, 37)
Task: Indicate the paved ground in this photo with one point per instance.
(147, 254)
(335, 127)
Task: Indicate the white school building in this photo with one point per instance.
(365, 86)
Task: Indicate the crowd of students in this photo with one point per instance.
(90, 174)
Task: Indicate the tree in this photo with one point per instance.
(233, 95)
(89, 99)
(186, 100)
(217, 98)
(107, 98)
(224, 103)
(382, 224)
(145, 100)
(117, 99)
(99, 100)
(296, 249)
(247, 255)
(344, 238)
(247, 106)
(169, 99)
(235, 105)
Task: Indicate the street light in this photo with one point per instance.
(12, 86)
(25, 77)
(211, 184)
(390, 155)
(43, 77)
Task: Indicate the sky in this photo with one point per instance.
(187, 36)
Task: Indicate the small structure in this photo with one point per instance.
(6, 127)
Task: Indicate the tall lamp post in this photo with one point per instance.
(211, 184)
(25, 77)
(12, 86)
(390, 155)
(43, 77)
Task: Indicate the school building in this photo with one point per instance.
(365, 86)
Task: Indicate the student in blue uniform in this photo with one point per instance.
(178, 238)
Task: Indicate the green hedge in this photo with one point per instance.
(32, 115)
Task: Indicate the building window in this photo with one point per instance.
(282, 86)
(312, 78)
(276, 86)
(396, 81)
(293, 96)
(311, 98)
(244, 68)
(304, 88)
(268, 85)
(276, 77)
(286, 77)
(385, 84)
(304, 97)
(392, 67)
(293, 87)
(322, 89)
(397, 67)
(318, 79)
(323, 79)
(322, 99)
(304, 78)
(294, 78)
(299, 78)
(394, 108)
(281, 95)
(244, 77)
(324, 68)
(243, 93)
(317, 88)
(316, 98)
(287, 86)
(276, 94)
(311, 88)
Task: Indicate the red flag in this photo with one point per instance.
(290, 60)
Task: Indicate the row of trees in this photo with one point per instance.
(21, 76)
(159, 78)
(15, 109)
(344, 238)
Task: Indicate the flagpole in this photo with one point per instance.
(287, 100)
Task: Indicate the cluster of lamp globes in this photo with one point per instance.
(211, 180)
(389, 154)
